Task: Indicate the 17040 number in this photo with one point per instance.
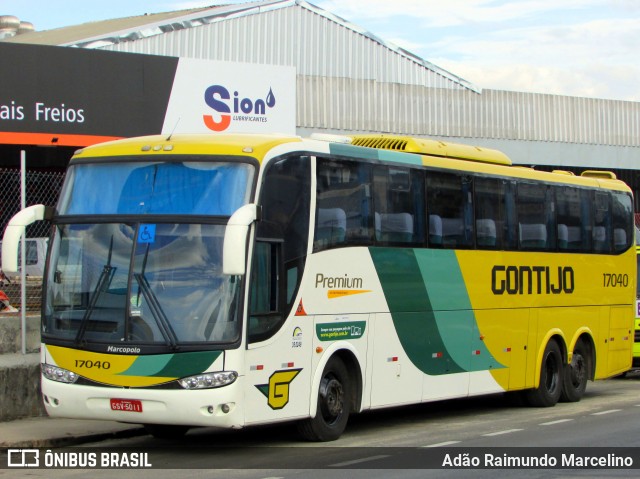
(82, 363)
(612, 280)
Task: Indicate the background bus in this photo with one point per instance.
(238, 280)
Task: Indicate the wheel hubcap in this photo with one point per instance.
(332, 399)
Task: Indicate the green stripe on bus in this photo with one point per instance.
(148, 365)
(390, 156)
(431, 310)
(172, 365)
(340, 149)
(454, 313)
(411, 311)
(187, 364)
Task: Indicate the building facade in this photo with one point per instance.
(350, 81)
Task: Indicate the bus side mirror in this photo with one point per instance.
(234, 249)
(14, 231)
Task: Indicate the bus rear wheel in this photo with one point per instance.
(576, 375)
(548, 392)
(334, 405)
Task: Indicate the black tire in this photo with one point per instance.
(166, 431)
(548, 392)
(576, 375)
(334, 405)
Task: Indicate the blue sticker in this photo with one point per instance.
(147, 234)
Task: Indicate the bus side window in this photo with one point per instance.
(534, 207)
(622, 211)
(449, 209)
(398, 199)
(573, 215)
(602, 223)
(264, 303)
(491, 213)
(343, 204)
(281, 244)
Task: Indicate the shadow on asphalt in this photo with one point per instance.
(378, 420)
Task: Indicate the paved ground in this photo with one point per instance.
(54, 432)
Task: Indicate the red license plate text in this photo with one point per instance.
(129, 405)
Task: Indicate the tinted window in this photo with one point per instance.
(533, 209)
(622, 216)
(185, 188)
(602, 222)
(495, 228)
(343, 214)
(281, 244)
(573, 216)
(398, 205)
(449, 209)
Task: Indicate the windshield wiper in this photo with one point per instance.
(164, 325)
(106, 276)
(157, 312)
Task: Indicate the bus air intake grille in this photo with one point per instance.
(381, 143)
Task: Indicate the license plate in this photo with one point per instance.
(128, 405)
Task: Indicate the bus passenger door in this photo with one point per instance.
(278, 354)
(279, 339)
(278, 375)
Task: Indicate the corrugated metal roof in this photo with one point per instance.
(112, 33)
(349, 80)
(294, 36)
(117, 30)
(105, 29)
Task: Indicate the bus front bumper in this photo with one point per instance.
(216, 407)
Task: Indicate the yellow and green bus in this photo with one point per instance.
(237, 280)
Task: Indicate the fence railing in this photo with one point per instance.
(40, 187)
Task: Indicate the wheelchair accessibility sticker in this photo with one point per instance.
(147, 234)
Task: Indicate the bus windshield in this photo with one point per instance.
(159, 284)
(170, 188)
(145, 278)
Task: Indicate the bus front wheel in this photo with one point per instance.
(334, 405)
(549, 390)
(576, 375)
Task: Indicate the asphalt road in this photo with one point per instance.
(409, 442)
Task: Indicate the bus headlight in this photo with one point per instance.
(58, 374)
(208, 380)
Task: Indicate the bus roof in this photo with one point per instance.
(425, 146)
(434, 153)
(255, 146)
(463, 157)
